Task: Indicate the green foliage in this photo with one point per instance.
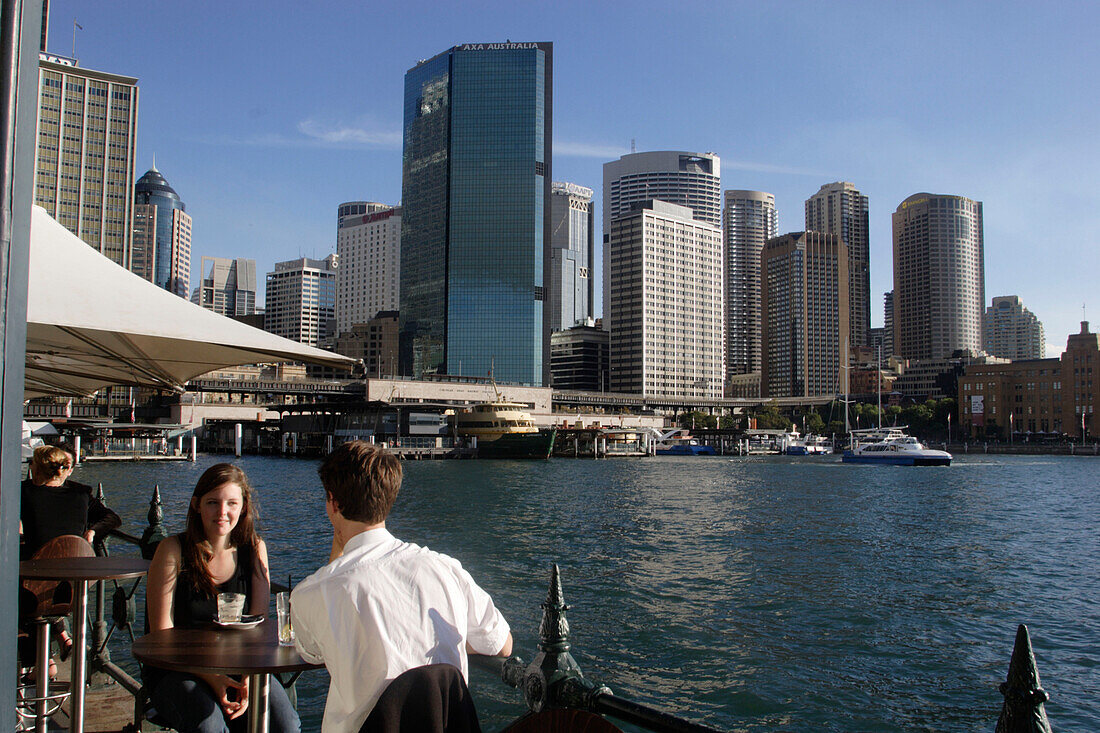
(697, 420)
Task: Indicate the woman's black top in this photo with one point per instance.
(191, 607)
(51, 511)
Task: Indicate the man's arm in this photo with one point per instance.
(505, 651)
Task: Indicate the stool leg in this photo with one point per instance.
(41, 674)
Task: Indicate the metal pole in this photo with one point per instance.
(20, 29)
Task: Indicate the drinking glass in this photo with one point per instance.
(230, 607)
(282, 608)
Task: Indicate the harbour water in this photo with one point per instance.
(750, 593)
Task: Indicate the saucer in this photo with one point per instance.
(246, 622)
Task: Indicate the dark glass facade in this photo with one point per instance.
(476, 192)
(153, 190)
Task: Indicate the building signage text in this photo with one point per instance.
(496, 46)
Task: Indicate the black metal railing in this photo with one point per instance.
(553, 679)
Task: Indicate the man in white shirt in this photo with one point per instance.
(382, 606)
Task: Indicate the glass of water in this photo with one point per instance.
(282, 608)
(230, 607)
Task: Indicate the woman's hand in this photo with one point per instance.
(221, 685)
(89, 535)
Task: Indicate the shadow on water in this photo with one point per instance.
(755, 594)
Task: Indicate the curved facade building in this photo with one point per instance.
(676, 177)
(939, 276)
(749, 221)
(162, 234)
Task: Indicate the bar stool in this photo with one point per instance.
(46, 601)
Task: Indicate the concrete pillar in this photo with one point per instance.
(328, 444)
(238, 433)
(76, 447)
(194, 448)
(179, 445)
(294, 443)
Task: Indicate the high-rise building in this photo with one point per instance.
(939, 276)
(475, 225)
(749, 221)
(838, 208)
(227, 286)
(666, 318)
(162, 235)
(571, 286)
(368, 242)
(300, 299)
(688, 179)
(84, 166)
(804, 315)
(1011, 331)
(888, 324)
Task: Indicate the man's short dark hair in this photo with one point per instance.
(362, 479)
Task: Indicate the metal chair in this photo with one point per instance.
(44, 601)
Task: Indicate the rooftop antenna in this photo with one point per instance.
(632, 147)
(75, 27)
(154, 161)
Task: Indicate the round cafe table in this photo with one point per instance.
(79, 571)
(255, 652)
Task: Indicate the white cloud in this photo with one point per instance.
(345, 135)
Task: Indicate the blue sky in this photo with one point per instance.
(266, 115)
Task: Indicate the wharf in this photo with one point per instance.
(108, 458)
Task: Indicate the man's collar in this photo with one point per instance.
(367, 539)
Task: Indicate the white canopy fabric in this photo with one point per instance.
(93, 324)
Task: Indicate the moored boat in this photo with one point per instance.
(504, 430)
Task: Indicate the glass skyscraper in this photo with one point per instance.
(476, 220)
(162, 234)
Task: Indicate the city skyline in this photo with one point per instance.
(936, 107)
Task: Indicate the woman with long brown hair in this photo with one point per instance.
(218, 552)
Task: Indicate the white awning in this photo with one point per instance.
(93, 324)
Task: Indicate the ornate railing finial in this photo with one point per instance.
(1023, 710)
(554, 628)
(154, 533)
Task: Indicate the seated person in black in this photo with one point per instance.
(218, 552)
(52, 505)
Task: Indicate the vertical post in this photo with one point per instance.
(76, 449)
(99, 625)
(20, 26)
(328, 444)
(179, 445)
(1023, 710)
(194, 448)
(238, 433)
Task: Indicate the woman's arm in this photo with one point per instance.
(164, 571)
(261, 580)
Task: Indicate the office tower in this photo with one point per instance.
(84, 169)
(939, 276)
(571, 287)
(475, 225)
(1011, 331)
(749, 221)
(666, 318)
(838, 208)
(888, 324)
(579, 358)
(804, 315)
(162, 235)
(688, 179)
(368, 242)
(227, 286)
(300, 299)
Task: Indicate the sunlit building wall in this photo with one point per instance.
(1012, 331)
(749, 220)
(804, 315)
(666, 321)
(300, 299)
(84, 163)
(368, 242)
(839, 208)
(939, 276)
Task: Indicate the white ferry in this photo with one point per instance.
(892, 447)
